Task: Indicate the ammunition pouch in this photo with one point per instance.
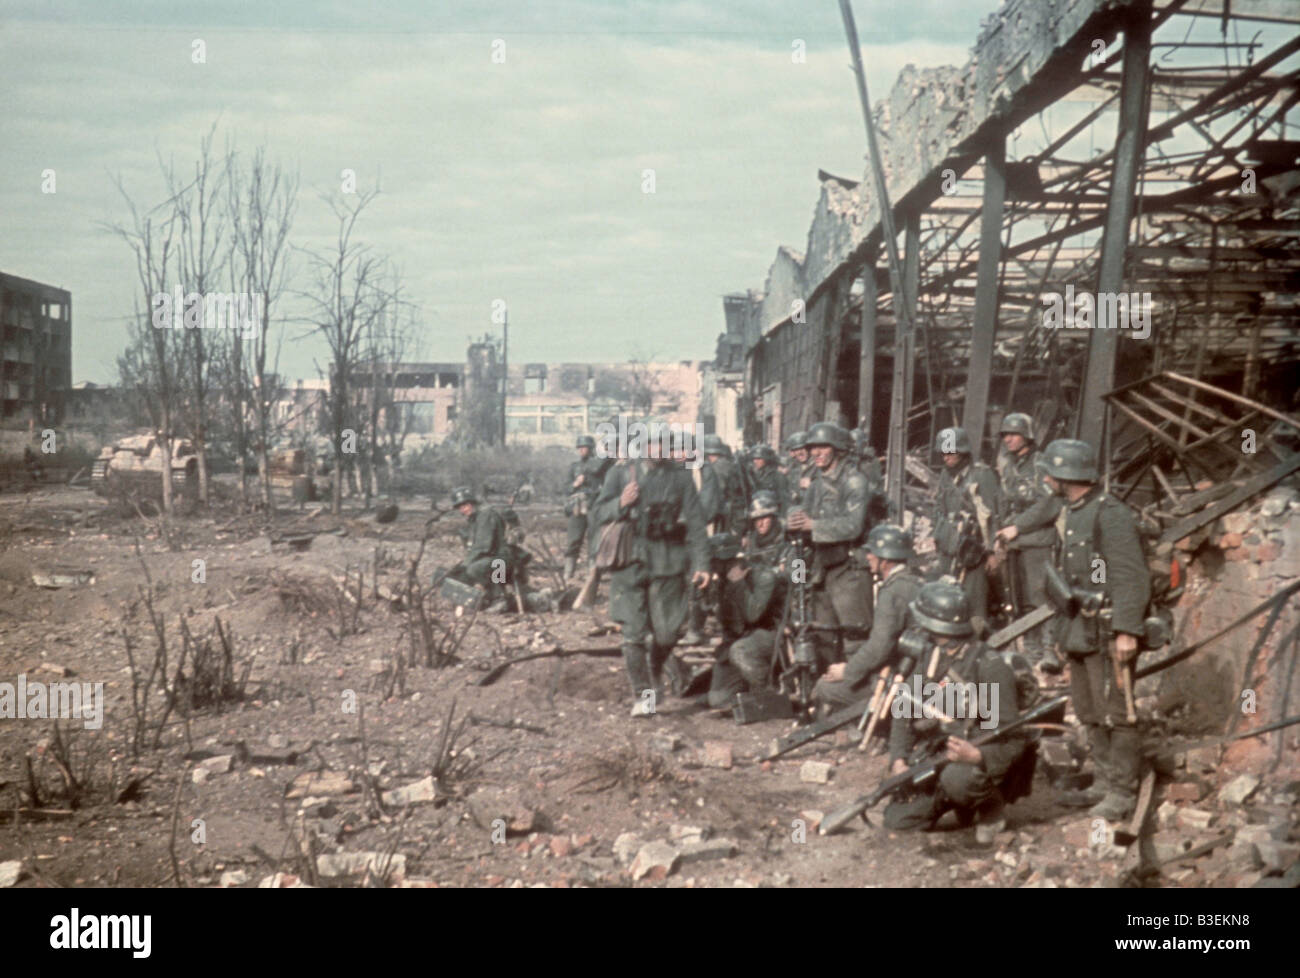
(1157, 630)
(914, 644)
(577, 504)
(959, 537)
(661, 523)
(1059, 593)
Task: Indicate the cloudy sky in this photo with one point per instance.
(520, 180)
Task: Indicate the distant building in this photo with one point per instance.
(35, 352)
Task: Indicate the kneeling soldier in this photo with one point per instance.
(889, 548)
(753, 593)
(979, 780)
(487, 553)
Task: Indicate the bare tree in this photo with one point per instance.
(348, 298)
(150, 366)
(263, 200)
(203, 252)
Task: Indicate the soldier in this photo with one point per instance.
(889, 548)
(753, 594)
(1032, 509)
(803, 471)
(833, 514)
(586, 476)
(658, 502)
(979, 780)
(487, 553)
(722, 497)
(869, 465)
(767, 476)
(1102, 565)
(967, 505)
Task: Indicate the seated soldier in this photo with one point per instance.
(752, 596)
(979, 780)
(487, 555)
(889, 548)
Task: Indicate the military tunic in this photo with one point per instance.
(750, 612)
(591, 471)
(722, 498)
(1031, 507)
(971, 488)
(893, 596)
(961, 785)
(486, 544)
(840, 586)
(648, 596)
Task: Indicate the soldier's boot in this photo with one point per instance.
(695, 623)
(1050, 663)
(1099, 748)
(990, 819)
(1125, 761)
(658, 659)
(638, 677)
(570, 566)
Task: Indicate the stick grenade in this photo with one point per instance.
(886, 702)
(1123, 670)
(875, 697)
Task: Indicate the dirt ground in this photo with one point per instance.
(543, 769)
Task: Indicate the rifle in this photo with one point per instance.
(924, 771)
(803, 658)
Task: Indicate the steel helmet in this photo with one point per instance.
(796, 441)
(1071, 460)
(713, 445)
(941, 607)
(828, 433)
(890, 542)
(463, 494)
(952, 441)
(586, 441)
(764, 503)
(1018, 424)
(724, 546)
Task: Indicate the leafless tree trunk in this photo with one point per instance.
(263, 201)
(150, 365)
(348, 299)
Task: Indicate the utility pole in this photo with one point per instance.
(505, 372)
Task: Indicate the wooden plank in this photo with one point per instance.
(1253, 487)
(1286, 419)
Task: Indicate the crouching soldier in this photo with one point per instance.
(979, 781)
(752, 598)
(889, 548)
(967, 510)
(656, 501)
(586, 476)
(487, 554)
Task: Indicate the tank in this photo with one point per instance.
(134, 465)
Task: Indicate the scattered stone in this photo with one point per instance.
(626, 846)
(782, 879)
(1167, 815)
(666, 742)
(489, 804)
(215, 765)
(1168, 845)
(10, 873)
(56, 669)
(683, 834)
(1185, 791)
(1203, 759)
(1056, 758)
(815, 772)
(697, 852)
(327, 783)
(282, 881)
(1078, 834)
(277, 741)
(656, 861)
(1277, 857)
(1230, 541)
(717, 753)
(233, 877)
(1194, 819)
(1237, 522)
(418, 793)
(560, 846)
(199, 775)
(1276, 502)
(1007, 859)
(1236, 791)
(355, 863)
(814, 818)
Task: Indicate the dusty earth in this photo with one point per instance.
(536, 777)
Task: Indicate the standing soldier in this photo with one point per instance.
(802, 470)
(767, 476)
(1101, 581)
(657, 501)
(721, 496)
(586, 476)
(967, 506)
(889, 548)
(753, 594)
(487, 554)
(980, 780)
(833, 514)
(1032, 509)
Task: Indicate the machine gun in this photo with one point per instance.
(919, 774)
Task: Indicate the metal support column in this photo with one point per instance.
(867, 362)
(980, 367)
(1129, 142)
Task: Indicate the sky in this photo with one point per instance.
(519, 178)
